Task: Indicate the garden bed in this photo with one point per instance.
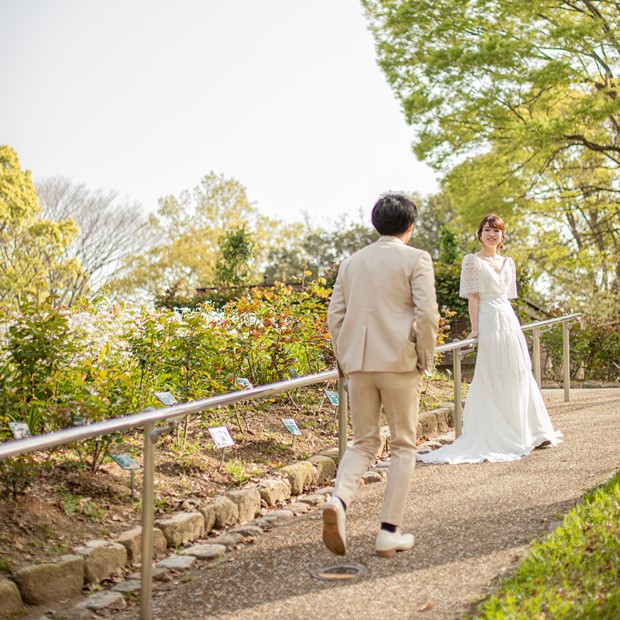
(68, 504)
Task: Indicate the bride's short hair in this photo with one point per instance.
(494, 221)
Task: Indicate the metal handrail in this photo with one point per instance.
(148, 419)
(98, 429)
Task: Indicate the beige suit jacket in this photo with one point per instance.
(383, 313)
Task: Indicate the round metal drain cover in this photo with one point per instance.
(340, 572)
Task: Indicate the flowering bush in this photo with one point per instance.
(61, 367)
(97, 361)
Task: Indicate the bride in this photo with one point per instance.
(505, 416)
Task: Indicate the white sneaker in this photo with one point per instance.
(334, 518)
(388, 543)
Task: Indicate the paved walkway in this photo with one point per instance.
(472, 522)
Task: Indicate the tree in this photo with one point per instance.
(472, 73)
(313, 248)
(518, 101)
(110, 230)
(188, 229)
(564, 231)
(448, 245)
(233, 266)
(32, 249)
(436, 212)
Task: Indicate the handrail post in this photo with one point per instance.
(566, 358)
(536, 354)
(343, 407)
(458, 406)
(148, 519)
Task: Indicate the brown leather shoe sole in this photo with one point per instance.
(331, 536)
(389, 553)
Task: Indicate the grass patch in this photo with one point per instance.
(76, 504)
(6, 564)
(573, 573)
(241, 472)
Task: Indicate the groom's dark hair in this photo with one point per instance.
(393, 214)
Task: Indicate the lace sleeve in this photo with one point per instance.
(511, 291)
(470, 276)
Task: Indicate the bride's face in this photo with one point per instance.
(491, 237)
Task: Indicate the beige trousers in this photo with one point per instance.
(399, 392)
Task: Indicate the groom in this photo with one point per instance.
(383, 322)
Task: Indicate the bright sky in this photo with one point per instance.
(145, 97)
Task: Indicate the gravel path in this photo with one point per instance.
(472, 522)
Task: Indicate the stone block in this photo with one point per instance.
(262, 523)
(209, 513)
(230, 541)
(429, 424)
(325, 467)
(247, 502)
(73, 613)
(371, 477)
(325, 491)
(300, 475)
(226, 512)
(11, 605)
(247, 530)
(206, 552)
(132, 541)
(298, 508)
(177, 563)
(157, 574)
(314, 500)
(442, 420)
(182, 528)
(104, 603)
(130, 586)
(280, 516)
(41, 584)
(274, 491)
(332, 453)
(102, 559)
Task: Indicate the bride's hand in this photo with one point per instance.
(473, 334)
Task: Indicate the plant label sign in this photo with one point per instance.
(125, 461)
(332, 396)
(291, 426)
(221, 437)
(20, 430)
(243, 382)
(166, 398)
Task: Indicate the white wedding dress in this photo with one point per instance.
(504, 416)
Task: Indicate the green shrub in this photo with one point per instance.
(276, 329)
(16, 474)
(594, 350)
(38, 346)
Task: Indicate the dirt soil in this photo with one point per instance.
(68, 504)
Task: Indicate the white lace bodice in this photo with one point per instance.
(479, 277)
